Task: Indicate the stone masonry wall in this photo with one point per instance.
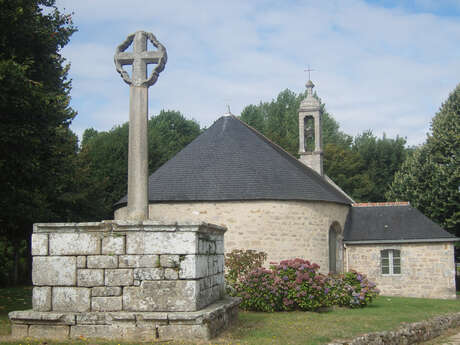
(407, 333)
(283, 229)
(121, 266)
(427, 269)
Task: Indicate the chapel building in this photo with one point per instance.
(270, 201)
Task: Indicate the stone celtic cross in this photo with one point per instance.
(139, 83)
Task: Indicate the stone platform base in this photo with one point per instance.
(146, 326)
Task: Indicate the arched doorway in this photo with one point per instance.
(335, 248)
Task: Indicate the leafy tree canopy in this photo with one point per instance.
(278, 120)
(34, 112)
(430, 177)
(381, 157)
(103, 157)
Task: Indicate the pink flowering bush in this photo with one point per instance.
(297, 285)
(240, 262)
(258, 291)
(352, 289)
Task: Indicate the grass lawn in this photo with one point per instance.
(19, 298)
(279, 328)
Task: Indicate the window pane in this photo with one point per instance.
(385, 270)
(385, 262)
(396, 269)
(396, 253)
(397, 262)
(384, 253)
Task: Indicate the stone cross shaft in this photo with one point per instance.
(139, 83)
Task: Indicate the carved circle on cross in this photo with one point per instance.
(140, 58)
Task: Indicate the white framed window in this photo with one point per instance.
(390, 261)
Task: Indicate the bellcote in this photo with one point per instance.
(310, 131)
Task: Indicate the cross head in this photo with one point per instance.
(140, 58)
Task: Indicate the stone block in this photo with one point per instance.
(148, 273)
(74, 244)
(154, 317)
(106, 291)
(122, 317)
(193, 267)
(141, 333)
(71, 299)
(171, 273)
(102, 261)
(184, 332)
(106, 304)
(39, 244)
(96, 331)
(81, 261)
(202, 247)
(31, 316)
(135, 261)
(161, 243)
(49, 331)
(113, 244)
(212, 265)
(119, 277)
(135, 243)
(19, 330)
(90, 277)
(172, 243)
(54, 270)
(169, 261)
(171, 295)
(92, 318)
(212, 248)
(41, 298)
(201, 283)
(220, 263)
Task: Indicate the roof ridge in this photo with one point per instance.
(384, 203)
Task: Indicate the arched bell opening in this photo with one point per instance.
(309, 133)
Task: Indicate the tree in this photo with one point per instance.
(430, 177)
(103, 158)
(382, 157)
(34, 113)
(348, 170)
(279, 121)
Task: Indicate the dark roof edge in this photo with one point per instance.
(124, 203)
(420, 240)
(299, 163)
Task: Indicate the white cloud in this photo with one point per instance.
(377, 68)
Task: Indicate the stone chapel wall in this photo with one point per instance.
(282, 229)
(427, 269)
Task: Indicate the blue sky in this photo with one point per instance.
(380, 65)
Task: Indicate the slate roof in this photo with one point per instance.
(392, 224)
(232, 161)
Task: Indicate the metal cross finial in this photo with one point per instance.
(309, 70)
(140, 58)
